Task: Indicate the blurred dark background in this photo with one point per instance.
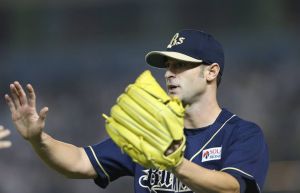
(80, 55)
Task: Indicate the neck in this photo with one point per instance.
(202, 113)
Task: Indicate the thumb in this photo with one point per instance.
(43, 114)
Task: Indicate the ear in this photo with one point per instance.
(213, 71)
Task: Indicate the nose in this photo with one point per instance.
(169, 72)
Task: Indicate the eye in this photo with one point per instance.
(167, 65)
(192, 65)
(180, 65)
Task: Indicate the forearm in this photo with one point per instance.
(203, 180)
(65, 158)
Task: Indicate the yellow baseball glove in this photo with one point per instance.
(145, 122)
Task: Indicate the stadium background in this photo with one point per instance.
(80, 55)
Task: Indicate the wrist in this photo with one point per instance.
(39, 139)
(178, 168)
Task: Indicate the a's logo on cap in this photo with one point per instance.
(176, 40)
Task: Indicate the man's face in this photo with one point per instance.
(185, 80)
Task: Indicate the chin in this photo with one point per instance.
(172, 94)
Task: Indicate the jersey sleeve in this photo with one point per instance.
(109, 162)
(247, 158)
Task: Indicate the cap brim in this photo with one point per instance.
(158, 58)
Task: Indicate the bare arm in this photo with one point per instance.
(202, 180)
(4, 133)
(67, 159)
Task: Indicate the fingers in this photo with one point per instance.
(14, 96)
(173, 147)
(43, 114)
(31, 95)
(18, 96)
(4, 133)
(10, 103)
(20, 92)
(5, 144)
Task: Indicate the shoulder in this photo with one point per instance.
(244, 125)
(246, 136)
(241, 127)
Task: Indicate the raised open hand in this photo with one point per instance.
(23, 111)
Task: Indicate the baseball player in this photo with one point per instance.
(4, 133)
(182, 141)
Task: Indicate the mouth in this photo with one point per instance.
(172, 87)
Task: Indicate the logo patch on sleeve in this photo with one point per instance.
(211, 154)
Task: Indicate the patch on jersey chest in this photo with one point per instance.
(211, 154)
